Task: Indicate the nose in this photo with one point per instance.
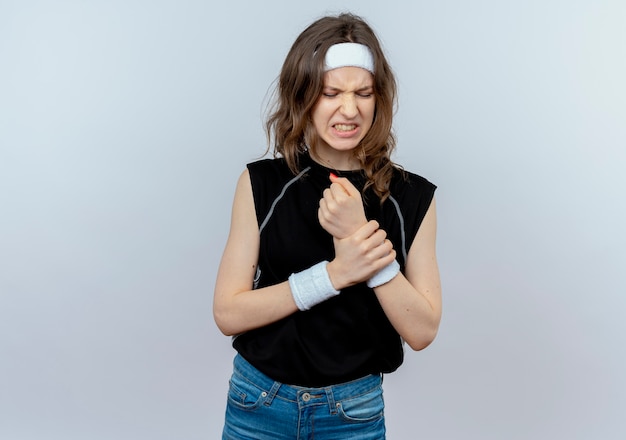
(349, 107)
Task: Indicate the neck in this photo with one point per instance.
(339, 162)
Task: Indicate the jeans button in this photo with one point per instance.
(306, 397)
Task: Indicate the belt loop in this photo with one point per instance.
(331, 400)
(270, 396)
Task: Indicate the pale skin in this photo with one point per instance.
(412, 302)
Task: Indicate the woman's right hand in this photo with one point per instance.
(359, 256)
(341, 210)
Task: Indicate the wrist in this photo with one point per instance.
(312, 286)
(384, 275)
(336, 276)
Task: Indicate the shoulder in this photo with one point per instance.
(408, 184)
(272, 174)
(268, 178)
(268, 166)
(412, 195)
(266, 174)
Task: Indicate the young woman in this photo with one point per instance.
(330, 265)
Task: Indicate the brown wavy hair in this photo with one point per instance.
(300, 84)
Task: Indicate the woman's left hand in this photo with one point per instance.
(341, 210)
(359, 256)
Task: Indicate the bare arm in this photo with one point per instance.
(236, 307)
(412, 303)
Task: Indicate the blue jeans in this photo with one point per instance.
(260, 408)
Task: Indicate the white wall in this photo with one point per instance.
(125, 124)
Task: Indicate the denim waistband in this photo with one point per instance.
(291, 392)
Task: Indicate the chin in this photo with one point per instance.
(345, 146)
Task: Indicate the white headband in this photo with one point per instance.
(349, 55)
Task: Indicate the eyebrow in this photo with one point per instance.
(361, 89)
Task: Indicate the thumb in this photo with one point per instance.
(345, 184)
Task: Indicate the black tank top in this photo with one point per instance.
(345, 337)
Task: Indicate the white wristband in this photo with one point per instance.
(311, 286)
(384, 275)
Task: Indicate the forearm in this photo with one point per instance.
(246, 310)
(414, 316)
(238, 310)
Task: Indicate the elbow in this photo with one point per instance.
(222, 327)
(225, 330)
(419, 345)
(224, 324)
(423, 334)
(421, 340)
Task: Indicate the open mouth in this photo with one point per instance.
(345, 127)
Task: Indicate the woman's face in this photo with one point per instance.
(344, 113)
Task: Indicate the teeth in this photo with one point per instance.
(344, 127)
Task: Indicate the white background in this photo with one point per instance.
(125, 124)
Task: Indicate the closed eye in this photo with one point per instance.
(359, 94)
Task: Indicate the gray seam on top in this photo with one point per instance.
(257, 275)
(280, 196)
(402, 234)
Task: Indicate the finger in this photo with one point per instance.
(387, 258)
(366, 231)
(324, 214)
(329, 203)
(321, 210)
(338, 191)
(328, 194)
(336, 181)
(383, 254)
(378, 240)
(345, 185)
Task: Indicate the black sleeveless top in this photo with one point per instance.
(347, 336)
